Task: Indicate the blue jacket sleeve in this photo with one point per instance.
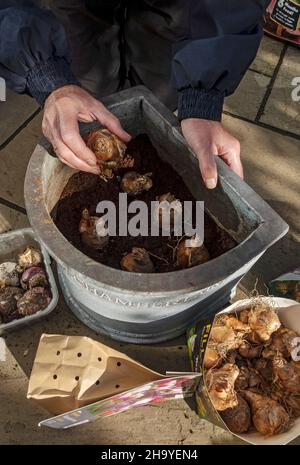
(209, 65)
(34, 55)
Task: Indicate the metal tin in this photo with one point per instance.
(147, 308)
(11, 244)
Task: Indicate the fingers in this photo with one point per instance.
(64, 153)
(232, 158)
(63, 109)
(67, 156)
(208, 166)
(112, 123)
(209, 139)
(86, 117)
(70, 136)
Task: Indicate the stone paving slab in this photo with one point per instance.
(11, 219)
(272, 166)
(14, 159)
(268, 56)
(281, 110)
(14, 112)
(248, 97)
(171, 422)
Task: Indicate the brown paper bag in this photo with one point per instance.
(72, 371)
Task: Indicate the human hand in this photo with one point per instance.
(207, 139)
(63, 109)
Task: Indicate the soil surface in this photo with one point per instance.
(85, 190)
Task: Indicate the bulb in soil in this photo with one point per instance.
(238, 419)
(9, 297)
(167, 211)
(220, 385)
(134, 183)
(109, 151)
(137, 261)
(93, 231)
(263, 321)
(287, 374)
(34, 277)
(9, 275)
(187, 257)
(33, 301)
(268, 416)
(30, 257)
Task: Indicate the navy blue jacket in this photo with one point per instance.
(209, 59)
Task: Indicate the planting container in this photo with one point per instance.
(13, 243)
(147, 308)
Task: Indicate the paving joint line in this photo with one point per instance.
(283, 132)
(12, 205)
(271, 85)
(261, 73)
(19, 129)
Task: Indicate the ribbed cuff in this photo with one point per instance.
(47, 76)
(200, 103)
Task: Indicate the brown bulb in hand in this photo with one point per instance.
(109, 150)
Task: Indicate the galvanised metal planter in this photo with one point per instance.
(148, 308)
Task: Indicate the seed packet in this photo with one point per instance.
(282, 20)
(286, 285)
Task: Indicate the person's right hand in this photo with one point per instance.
(66, 106)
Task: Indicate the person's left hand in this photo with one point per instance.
(207, 139)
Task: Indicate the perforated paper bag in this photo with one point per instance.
(73, 371)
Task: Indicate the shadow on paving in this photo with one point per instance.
(282, 257)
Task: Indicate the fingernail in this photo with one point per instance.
(211, 183)
(91, 163)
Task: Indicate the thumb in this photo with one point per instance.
(112, 123)
(208, 166)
